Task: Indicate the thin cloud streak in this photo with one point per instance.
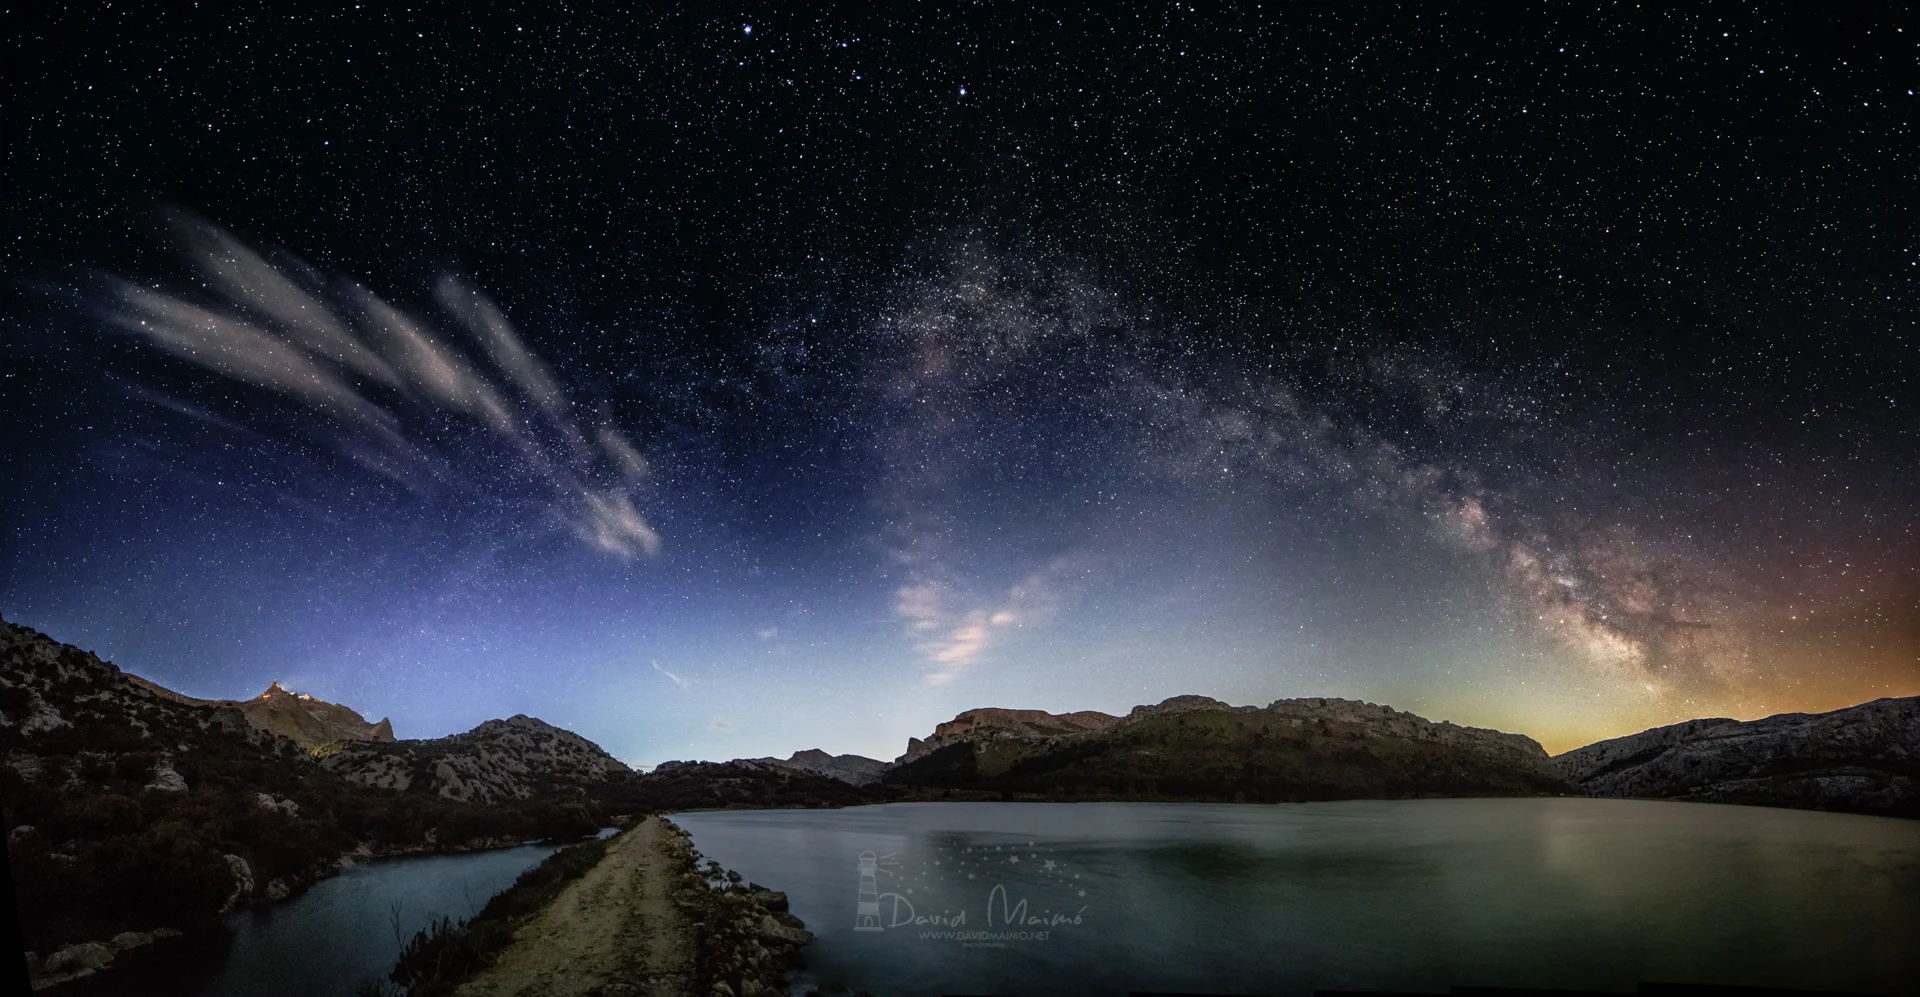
(675, 679)
(361, 362)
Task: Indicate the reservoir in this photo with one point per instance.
(915, 900)
(344, 931)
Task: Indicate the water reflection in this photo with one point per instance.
(1416, 895)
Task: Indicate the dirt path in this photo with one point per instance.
(615, 925)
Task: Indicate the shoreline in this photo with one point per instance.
(94, 959)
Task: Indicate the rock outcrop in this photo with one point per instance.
(512, 759)
(1864, 759)
(1193, 747)
(857, 770)
(992, 723)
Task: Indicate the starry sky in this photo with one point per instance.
(722, 382)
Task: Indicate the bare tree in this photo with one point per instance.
(393, 919)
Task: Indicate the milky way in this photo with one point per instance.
(720, 393)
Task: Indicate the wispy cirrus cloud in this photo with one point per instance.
(386, 380)
(671, 676)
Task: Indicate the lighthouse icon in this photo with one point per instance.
(867, 914)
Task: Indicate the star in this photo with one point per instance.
(1049, 866)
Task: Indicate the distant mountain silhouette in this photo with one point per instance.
(858, 770)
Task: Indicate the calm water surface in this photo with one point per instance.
(1414, 895)
(344, 930)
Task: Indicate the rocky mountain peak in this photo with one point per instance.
(515, 758)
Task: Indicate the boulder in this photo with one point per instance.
(242, 882)
(165, 779)
(84, 957)
(126, 941)
(267, 801)
(773, 931)
(277, 889)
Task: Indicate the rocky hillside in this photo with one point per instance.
(993, 723)
(1192, 747)
(514, 759)
(129, 810)
(300, 718)
(1864, 759)
(857, 770)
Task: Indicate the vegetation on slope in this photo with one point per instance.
(1251, 756)
(448, 953)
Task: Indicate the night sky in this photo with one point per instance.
(722, 384)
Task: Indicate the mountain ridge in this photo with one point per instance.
(1863, 758)
(857, 770)
(303, 719)
(513, 759)
(1195, 747)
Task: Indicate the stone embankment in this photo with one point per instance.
(77, 962)
(647, 921)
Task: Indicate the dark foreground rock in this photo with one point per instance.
(130, 807)
(1863, 759)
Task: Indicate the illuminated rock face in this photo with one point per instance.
(310, 722)
(1864, 758)
(300, 718)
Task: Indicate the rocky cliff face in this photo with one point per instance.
(298, 717)
(513, 759)
(1193, 747)
(992, 723)
(56, 699)
(1864, 759)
